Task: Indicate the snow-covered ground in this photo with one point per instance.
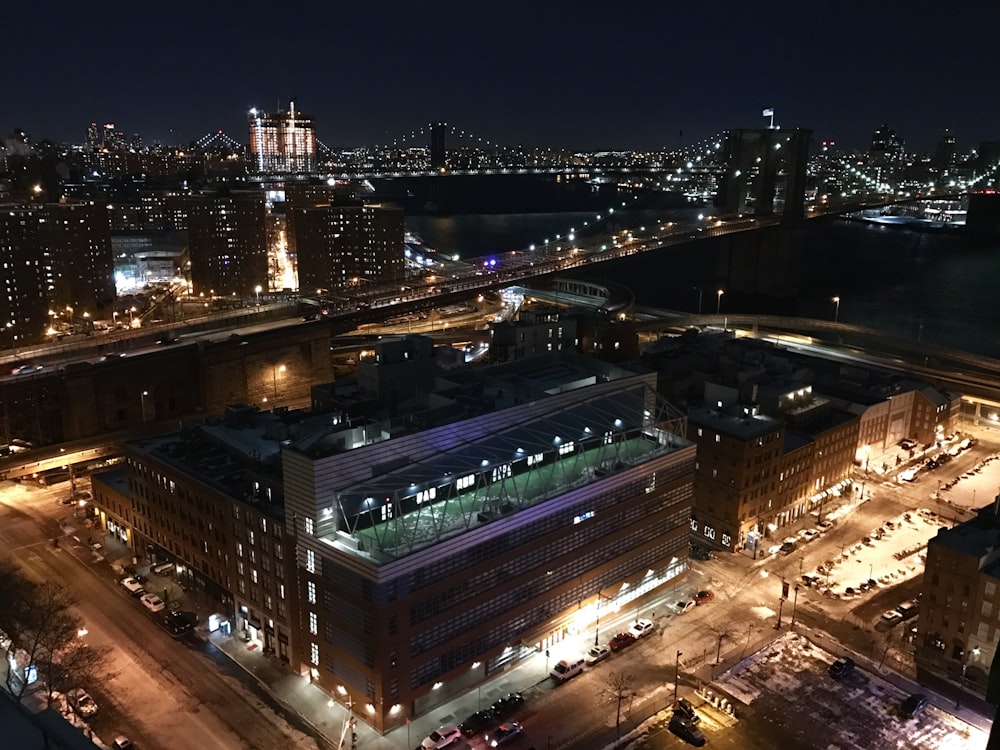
(789, 680)
(888, 554)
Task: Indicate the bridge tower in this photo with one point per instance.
(438, 154)
(755, 159)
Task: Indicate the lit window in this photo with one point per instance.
(314, 653)
(310, 561)
(310, 592)
(310, 527)
(313, 623)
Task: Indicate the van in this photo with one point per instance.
(909, 609)
(567, 668)
(163, 567)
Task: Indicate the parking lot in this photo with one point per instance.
(787, 684)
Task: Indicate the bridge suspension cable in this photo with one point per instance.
(206, 141)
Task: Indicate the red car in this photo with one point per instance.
(703, 596)
(620, 641)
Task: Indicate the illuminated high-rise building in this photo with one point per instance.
(52, 256)
(282, 143)
(344, 245)
(227, 242)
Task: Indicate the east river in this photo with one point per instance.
(939, 288)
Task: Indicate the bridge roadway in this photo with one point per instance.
(418, 294)
(973, 375)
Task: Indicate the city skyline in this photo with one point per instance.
(646, 79)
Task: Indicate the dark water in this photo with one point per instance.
(938, 288)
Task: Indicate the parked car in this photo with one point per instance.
(620, 641)
(441, 737)
(476, 722)
(807, 535)
(505, 733)
(596, 654)
(913, 705)
(122, 743)
(686, 730)
(176, 624)
(685, 709)
(82, 703)
(132, 586)
(891, 617)
(162, 567)
(640, 628)
(683, 607)
(152, 602)
(787, 548)
(909, 609)
(703, 597)
(504, 707)
(824, 525)
(841, 668)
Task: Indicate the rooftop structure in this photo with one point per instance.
(282, 142)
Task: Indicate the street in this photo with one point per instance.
(159, 692)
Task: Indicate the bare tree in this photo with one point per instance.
(37, 622)
(74, 663)
(618, 688)
(723, 632)
(49, 625)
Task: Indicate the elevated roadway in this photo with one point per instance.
(971, 374)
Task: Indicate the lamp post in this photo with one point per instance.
(965, 666)
(257, 290)
(699, 290)
(718, 300)
(142, 403)
(274, 378)
(781, 599)
(131, 317)
(677, 668)
(836, 310)
(795, 604)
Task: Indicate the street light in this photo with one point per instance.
(781, 599)
(965, 665)
(836, 310)
(677, 668)
(142, 402)
(257, 290)
(718, 301)
(698, 288)
(274, 378)
(795, 604)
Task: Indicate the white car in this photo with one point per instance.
(132, 586)
(596, 654)
(641, 628)
(152, 602)
(82, 703)
(891, 617)
(441, 737)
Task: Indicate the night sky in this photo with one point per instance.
(574, 73)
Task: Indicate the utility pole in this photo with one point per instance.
(677, 668)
